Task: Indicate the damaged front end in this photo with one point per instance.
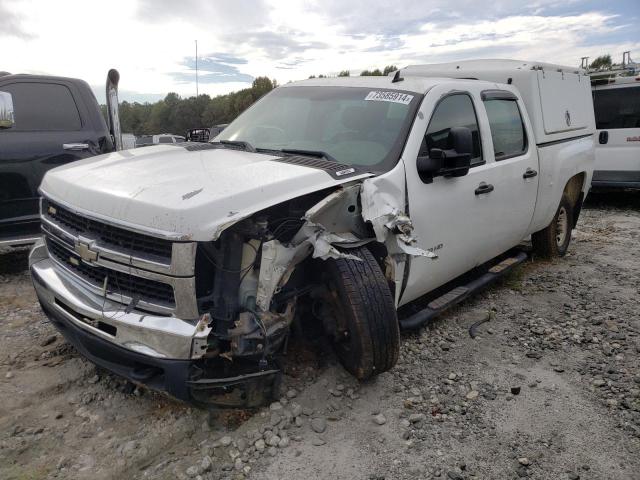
(207, 321)
(263, 273)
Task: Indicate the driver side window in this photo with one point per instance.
(453, 111)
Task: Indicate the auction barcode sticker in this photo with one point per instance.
(395, 97)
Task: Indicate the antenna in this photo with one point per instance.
(197, 93)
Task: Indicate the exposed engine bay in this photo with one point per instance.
(265, 272)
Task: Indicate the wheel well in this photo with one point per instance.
(574, 187)
(573, 190)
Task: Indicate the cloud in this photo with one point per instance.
(223, 15)
(212, 68)
(276, 45)
(11, 25)
(290, 39)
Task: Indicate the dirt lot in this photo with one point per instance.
(549, 389)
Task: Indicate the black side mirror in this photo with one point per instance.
(454, 162)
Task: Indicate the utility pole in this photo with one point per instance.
(197, 93)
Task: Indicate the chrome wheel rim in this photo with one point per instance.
(562, 226)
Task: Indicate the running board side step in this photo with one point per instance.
(460, 293)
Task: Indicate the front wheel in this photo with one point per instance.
(554, 240)
(364, 323)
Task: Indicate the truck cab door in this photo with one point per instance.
(464, 220)
(48, 131)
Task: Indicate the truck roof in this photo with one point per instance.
(488, 65)
(27, 76)
(409, 83)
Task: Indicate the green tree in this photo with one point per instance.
(174, 114)
(603, 61)
(371, 73)
(344, 73)
(388, 69)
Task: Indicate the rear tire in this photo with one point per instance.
(554, 240)
(366, 332)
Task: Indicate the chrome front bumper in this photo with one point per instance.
(161, 337)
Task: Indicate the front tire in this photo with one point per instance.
(554, 240)
(365, 324)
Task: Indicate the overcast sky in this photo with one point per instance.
(151, 42)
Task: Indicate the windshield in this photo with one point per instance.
(356, 126)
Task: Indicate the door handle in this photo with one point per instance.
(75, 146)
(484, 188)
(603, 138)
(530, 173)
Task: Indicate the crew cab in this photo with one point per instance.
(330, 204)
(48, 121)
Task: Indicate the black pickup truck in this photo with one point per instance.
(44, 122)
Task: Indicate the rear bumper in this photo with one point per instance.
(616, 179)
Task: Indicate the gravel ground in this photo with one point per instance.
(548, 389)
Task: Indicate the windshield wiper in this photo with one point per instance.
(239, 143)
(309, 153)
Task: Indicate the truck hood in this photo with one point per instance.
(173, 192)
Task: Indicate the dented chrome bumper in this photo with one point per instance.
(141, 332)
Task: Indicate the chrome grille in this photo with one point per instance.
(118, 283)
(107, 235)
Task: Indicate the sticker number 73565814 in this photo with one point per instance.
(395, 97)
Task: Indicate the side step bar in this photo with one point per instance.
(458, 294)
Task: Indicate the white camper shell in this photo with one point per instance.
(554, 95)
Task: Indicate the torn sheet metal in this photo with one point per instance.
(279, 260)
(382, 205)
(276, 260)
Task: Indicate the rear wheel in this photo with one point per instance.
(363, 322)
(554, 240)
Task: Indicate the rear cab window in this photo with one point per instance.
(617, 107)
(507, 127)
(43, 107)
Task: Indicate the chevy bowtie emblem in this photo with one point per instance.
(85, 252)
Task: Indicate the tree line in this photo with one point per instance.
(176, 115)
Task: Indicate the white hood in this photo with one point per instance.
(170, 191)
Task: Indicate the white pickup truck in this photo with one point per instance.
(326, 206)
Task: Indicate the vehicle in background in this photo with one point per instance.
(330, 205)
(167, 138)
(128, 141)
(144, 140)
(162, 138)
(217, 130)
(198, 135)
(45, 122)
(616, 101)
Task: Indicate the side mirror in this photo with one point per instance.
(6, 110)
(457, 160)
(454, 162)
